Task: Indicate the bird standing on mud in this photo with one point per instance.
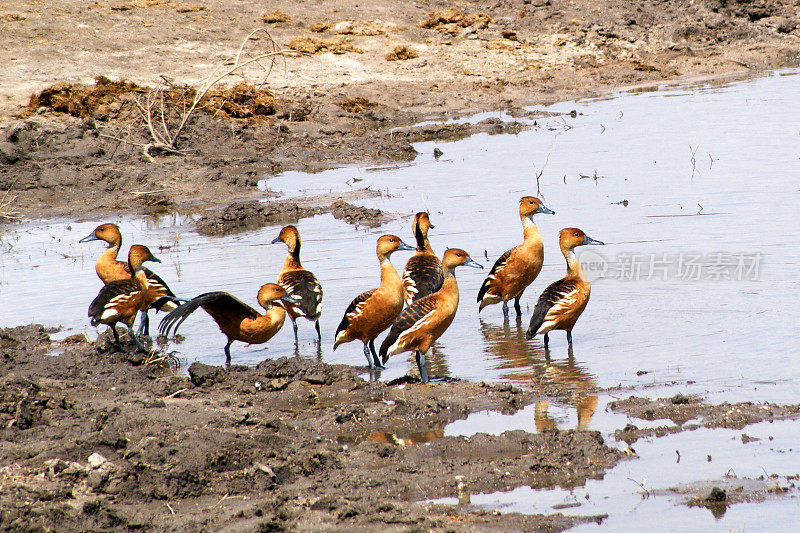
(371, 312)
(108, 268)
(562, 302)
(423, 273)
(300, 284)
(119, 301)
(237, 320)
(519, 266)
(424, 321)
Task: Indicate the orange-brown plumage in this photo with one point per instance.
(562, 302)
(300, 284)
(424, 321)
(120, 300)
(371, 312)
(423, 272)
(109, 269)
(519, 266)
(237, 320)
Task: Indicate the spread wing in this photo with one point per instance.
(304, 287)
(498, 266)
(353, 310)
(220, 305)
(111, 295)
(422, 276)
(555, 299)
(410, 319)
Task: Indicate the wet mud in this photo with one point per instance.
(95, 439)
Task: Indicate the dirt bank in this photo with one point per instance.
(360, 75)
(93, 439)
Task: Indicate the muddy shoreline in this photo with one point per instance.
(74, 140)
(95, 439)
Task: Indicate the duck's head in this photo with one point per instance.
(104, 232)
(530, 205)
(271, 294)
(138, 254)
(391, 243)
(423, 222)
(569, 238)
(455, 257)
(289, 236)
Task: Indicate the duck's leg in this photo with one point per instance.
(546, 340)
(375, 355)
(423, 372)
(517, 308)
(144, 325)
(569, 337)
(319, 335)
(116, 338)
(505, 308)
(294, 327)
(136, 339)
(228, 352)
(368, 355)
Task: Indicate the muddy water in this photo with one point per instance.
(693, 188)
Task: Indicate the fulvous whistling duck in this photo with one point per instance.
(237, 320)
(371, 312)
(518, 267)
(109, 269)
(424, 321)
(423, 273)
(300, 284)
(119, 301)
(563, 301)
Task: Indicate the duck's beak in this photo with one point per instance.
(288, 299)
(405, 248)
(472, 263)
(90, 237)
(154, 259)
(589, 240)
(276, 240)
(544, 210)
(431, 226)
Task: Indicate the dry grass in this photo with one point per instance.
(356, 104)
(276, 17)
(310, 45)
(402, 53)
(455, 17)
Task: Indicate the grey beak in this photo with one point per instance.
(472, 263)
(544, 210)
(276, 240)
(288, 299)
(589, 240)
(154, 259)
(404, 247)
(90, 237)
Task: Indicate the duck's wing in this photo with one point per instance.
(498, 266)
(220, 305)
(353, 310)
(304, 287)
(558, 298)
(113, 294)
(422, 276)
(411, 318)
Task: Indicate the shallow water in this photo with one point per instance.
(696, 288)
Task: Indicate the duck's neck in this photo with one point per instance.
(109, 256)
(574, 268)
(389, 275)
(140, 276)
(292, 258)
(530, 231)
(423, 245)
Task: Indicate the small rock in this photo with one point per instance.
(96, 460)
(202, 374)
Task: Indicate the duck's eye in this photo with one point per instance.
(576, 234)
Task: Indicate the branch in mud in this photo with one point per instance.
(160, 108)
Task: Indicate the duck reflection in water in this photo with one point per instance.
(525, 363)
